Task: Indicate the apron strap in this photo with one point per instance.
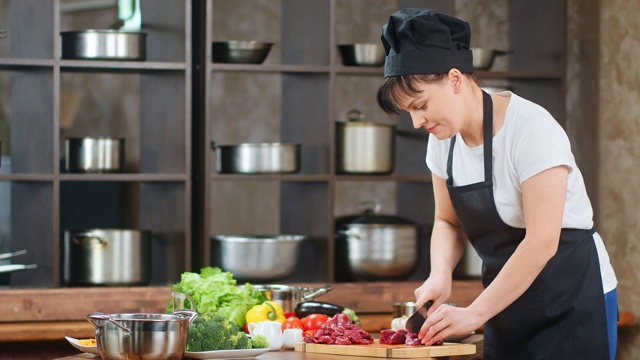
(487, 133)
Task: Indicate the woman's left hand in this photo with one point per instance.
(446, 321)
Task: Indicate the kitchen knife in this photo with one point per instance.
(415, 321)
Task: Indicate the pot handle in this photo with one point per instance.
(369, 206)
(502, 52)
(348, 233)
(213, 145)
(77, 238)
(99, 320)
(355, 115)
(179, 300)
(323, 290)
(192, 315)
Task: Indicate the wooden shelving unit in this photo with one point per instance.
(154, 191)
(307, 75)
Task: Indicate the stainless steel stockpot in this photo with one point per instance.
(373, 246)
(107, 257)
(107, 44)
(142, 336)
(101, 154)
(257, 158)
(364, 147)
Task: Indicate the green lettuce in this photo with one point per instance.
(214, 291)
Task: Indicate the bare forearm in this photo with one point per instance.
(447, 245)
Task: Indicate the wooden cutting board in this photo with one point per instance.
(389, 351)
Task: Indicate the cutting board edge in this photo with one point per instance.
(388, 351)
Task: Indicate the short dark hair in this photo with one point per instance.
(405, 85)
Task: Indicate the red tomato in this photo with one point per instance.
(308, 332)
(289, 314)
(292, 323)
(313, 321)
(245, 328)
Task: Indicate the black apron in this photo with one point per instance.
(562, 314)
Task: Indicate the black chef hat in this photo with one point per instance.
(419, 41)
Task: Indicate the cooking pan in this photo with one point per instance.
(289, 296)
(483, 57)
(257, 158)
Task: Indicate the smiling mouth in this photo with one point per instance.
(432, 129)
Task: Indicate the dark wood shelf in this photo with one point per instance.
(119, 66)
(274, 177)
(125, 177)
(269, 68)
(27, 177)
(22, 64)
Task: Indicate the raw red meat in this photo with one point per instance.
(340, 330)
(392, 337)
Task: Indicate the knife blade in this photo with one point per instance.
(415, 321)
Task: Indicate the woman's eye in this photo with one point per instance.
(421, 107)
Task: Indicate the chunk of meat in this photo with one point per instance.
(340, 330)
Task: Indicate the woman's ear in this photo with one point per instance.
(455, 79)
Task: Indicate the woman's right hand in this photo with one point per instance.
(436, 288)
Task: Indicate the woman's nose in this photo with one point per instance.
(418, 121)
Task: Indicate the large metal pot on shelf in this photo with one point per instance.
(372, 246)
(112, 257)
(364, 147)
(257, 158)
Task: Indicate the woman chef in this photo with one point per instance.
(505, 179)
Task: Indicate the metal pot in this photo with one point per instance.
(256, 258)
(142, 336)
(372, 246)
(483, 58)
(290, 296)
(107, 257)
(257, 158)
(101, 154)
(96, 44)
(364, 147)
(470, 265)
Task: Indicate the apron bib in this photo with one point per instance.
(561, 315)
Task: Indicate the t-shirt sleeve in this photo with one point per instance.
(542, 145)
(436, 157)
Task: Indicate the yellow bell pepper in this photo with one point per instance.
(267, 311)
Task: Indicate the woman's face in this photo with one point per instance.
(437, 108)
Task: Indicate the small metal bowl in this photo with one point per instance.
(362, 54)
(240, 52)
(106, 44)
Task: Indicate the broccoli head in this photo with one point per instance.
(211, 332)
(259, 341)
(241, 341)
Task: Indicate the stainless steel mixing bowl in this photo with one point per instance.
(240, 52)
(256, 258)
(362, 54)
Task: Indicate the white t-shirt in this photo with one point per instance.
(529, 142)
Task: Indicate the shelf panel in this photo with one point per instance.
(125, 177)
(119, 66)
(388, 178)
(270, 68)
(22, 64)
(26, 177)
(551, 75)
(274, 177)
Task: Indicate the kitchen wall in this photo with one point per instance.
(618, 144)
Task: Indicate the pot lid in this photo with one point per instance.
(369, 215)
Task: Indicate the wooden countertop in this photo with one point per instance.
(477, 340)
(52, 314)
